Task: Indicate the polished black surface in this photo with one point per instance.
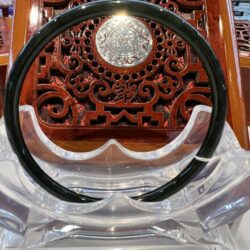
(106, 8)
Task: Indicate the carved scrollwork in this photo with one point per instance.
(77, 86)
(183, 105)
(243, 37)
(56, 104)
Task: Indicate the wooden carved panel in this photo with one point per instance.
(243, 37)
(75, 87)
(4, 37)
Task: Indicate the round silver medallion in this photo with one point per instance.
(124, 41)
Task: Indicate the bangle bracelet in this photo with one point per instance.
(107, 8)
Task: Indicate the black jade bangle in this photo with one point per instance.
(107, 8)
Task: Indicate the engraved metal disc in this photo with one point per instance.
(123, 41)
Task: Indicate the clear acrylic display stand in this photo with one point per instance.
(197, 217)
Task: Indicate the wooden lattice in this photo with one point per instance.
(76, 90)
(243, 37)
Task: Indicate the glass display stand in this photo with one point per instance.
(197, 217)
(179, 196)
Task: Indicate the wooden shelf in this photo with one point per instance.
(4, 59)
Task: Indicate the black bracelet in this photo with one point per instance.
(107, 8)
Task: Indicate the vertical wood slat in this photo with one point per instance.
(235, 91)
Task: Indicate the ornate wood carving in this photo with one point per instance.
(243, 37)
(4, 37)
(74, 87)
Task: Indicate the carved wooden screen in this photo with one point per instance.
(242, 28)
(243, 37)
(76, 92)
(4, 37)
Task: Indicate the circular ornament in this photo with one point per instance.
(124, 41)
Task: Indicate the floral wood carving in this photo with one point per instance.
(243, 37)
(76, 87)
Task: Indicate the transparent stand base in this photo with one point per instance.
(168, 235)
(195, 218)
